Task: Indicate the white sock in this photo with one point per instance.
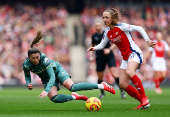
(74, 98)
(100, 86)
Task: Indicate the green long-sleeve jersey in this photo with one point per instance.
(45, 70)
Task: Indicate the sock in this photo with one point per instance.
(83, 86)
(117, 82)
(161, 80)
(133, 93)
(138, 84)
(100, 81)
(60, 98)
(157, 84)
(102, 91)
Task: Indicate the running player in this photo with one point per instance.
(104, 57)
(52, 73)
(119, 34)
(158, 61)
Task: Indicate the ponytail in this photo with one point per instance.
(38, 38)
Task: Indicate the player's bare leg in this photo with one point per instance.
(58, 98)
(52, 92)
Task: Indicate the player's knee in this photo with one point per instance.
(115, 75)
(130, 73)
(163, 76)
(122, 85)
(55, 100)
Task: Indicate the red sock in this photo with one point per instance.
(138, 84)
(157, 83)
(161, 80)
(133, 93)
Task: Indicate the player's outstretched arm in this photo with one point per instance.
(99, 46)
(91, 49)
(27, 78)
(50, 83)
(142, 32)
(127, 27)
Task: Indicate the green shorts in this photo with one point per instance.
(61, 75)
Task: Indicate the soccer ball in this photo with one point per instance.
(93, 104)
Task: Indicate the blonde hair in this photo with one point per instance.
(115, 15)
(38, 38)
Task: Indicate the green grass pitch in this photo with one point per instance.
(21, 102)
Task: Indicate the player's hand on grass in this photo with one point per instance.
(106, 51)
(91, 49)
(43, 94)
(151, 43)
(30, 86)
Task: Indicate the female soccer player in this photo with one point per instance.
(104, 57)
(119, 34)
(158, 61)
(52, 73)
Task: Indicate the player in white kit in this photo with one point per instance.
(119, 34)
(158, 60)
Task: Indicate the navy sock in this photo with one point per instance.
(117, 82)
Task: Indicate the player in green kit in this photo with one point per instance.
(52, 73)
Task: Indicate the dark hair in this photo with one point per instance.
(33, 50)
(38, 38)
(114, 14)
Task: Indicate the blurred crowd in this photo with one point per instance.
(18, 26)
(151, 18)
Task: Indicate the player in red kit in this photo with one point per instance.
(119, 34)
(158, 61)
(104, 57)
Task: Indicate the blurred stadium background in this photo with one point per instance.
(67, 26)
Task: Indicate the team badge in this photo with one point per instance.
(46, 60)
